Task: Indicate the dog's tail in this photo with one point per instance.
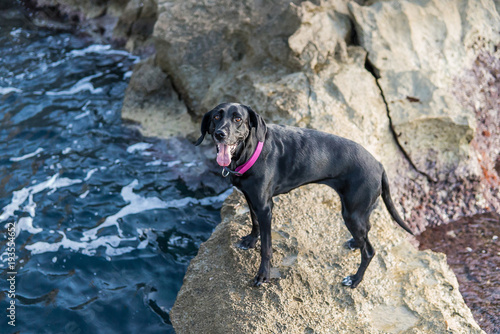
(386, 195)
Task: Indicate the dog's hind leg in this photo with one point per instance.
(351, 244)
(367, 253)
(357, 220)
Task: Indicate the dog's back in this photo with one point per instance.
(301, 156)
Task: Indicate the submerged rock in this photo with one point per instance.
(404, 290)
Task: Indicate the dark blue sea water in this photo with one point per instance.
(105, 220)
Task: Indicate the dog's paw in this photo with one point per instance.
(347, 281)
(260, 279)
(248, 242)
(351, 281)
(351, 244)
(263, 275)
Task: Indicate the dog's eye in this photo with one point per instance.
(237, 119)
(217, 117)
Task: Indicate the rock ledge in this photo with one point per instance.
(404, 290)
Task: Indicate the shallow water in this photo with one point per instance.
(105, 224)
(472, 246)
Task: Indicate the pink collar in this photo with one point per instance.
(240, 170)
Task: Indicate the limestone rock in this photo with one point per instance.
(322, 33)
(219, 43)
(151, 101)
(136, 22)
(417, 49)
(404, 290)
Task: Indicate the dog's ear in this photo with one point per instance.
(258, 123)
(205, 126)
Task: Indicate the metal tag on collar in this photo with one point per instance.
(226, 171)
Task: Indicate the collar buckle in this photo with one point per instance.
(226, 172)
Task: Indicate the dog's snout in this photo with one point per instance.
(220, 135)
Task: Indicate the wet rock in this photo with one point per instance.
(404, 290)
(126, 23)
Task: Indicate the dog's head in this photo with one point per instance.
(230, 124)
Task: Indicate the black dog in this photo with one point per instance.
(277, 159)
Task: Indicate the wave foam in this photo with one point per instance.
(27, 156)
(81, 85)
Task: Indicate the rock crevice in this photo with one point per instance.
(370, 68)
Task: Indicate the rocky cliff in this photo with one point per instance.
(415, 82)
(404, 78)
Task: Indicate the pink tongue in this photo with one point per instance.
(224, 155)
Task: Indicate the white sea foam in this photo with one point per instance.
(16, 32)
(82, 85)
(90, 173)
(20, 196)
(138, 204)
(8, 90)
(100, 49)
(31, 206)
(82, 196)
(173, 163)
(127, 75)
(27, 156)
(110, 242)
(86, 113)
(26, 224)
(90, 242)
(138, 147)
(158, 162)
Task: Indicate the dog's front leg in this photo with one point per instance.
(261, 209)
(250, 240)
(264, 216)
